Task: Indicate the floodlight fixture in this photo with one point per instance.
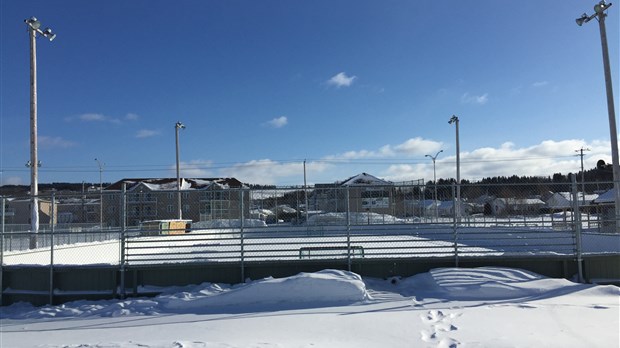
(453, 119)
(35, 25)
(33, 22)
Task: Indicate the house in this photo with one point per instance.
(605, 204)
(509, 206)
(81, 209)
(364, 192)
(202, 199)
(559, 201)
(19, 211)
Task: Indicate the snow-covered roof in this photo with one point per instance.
(607, 197)
(168, 184)
(364, 179)
(564, 199)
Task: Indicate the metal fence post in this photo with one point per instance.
(455, 227)
(577, 227)
(122, 238)
(348, 228)
(241, 236)
(52, 228)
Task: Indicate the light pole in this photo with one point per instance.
(178, 126)
(457, 206)
(100, 193)
(33, 28)
(599, 14)
(435, 182)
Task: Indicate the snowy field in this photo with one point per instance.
(448, 307)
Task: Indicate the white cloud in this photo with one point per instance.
(147, 133)
(54, 142)
(92, 117)
(475, 99)
(278, 122)
(540, 83)
(406, 162)
(97, 117)
(418, 146)
(543, 159)
(413, 146)
(11, 180)
(269, 172)
(194, 169)
(341, 80)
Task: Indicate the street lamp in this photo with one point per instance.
(100, 193)
(435, 182)
(178, 126)
(457, 206)
(33, 28)
(599, 14)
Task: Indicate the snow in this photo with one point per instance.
(446, 307)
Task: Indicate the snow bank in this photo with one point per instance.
(490, 283)
(305, 290)
(327, 287)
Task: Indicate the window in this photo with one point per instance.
(186, 208)
(170, 208)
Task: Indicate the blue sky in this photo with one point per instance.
(349, 86)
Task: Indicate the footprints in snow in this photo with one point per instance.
(439, 324)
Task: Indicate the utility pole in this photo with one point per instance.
(583, 187)
(100, 193)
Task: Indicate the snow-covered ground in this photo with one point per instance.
(448, 307)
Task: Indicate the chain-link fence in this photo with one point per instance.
(145, 224)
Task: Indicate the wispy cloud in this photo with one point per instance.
(147, 133)
(11, 180)
(92, 117)
(411, 147)
(475, 99)
(270, 172)
(47, 142)
(341, 80)
(540, 83)
(98, 117)
(278, 122)
(194, 169)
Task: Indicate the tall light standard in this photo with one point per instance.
(457, 206)
(178, 126)
(100, 193)
(33, 28)
(599, 14)
(435, 182)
